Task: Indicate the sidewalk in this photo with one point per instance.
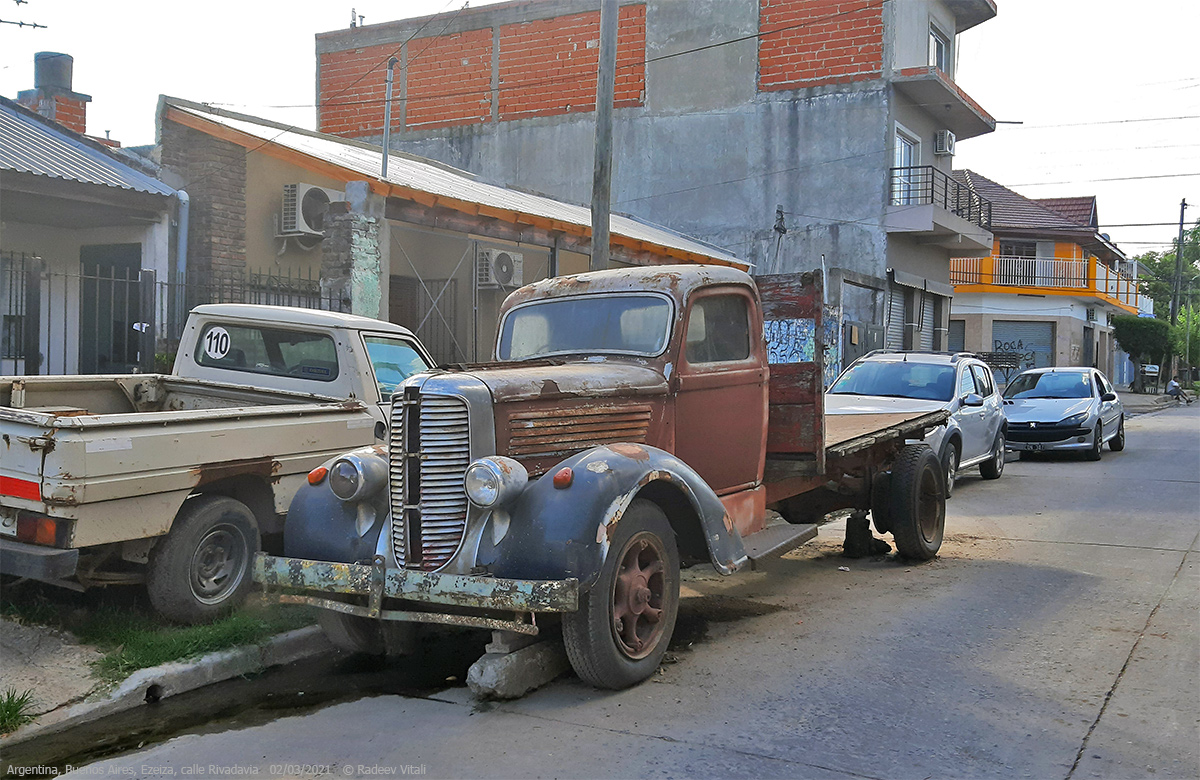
(1142, 403)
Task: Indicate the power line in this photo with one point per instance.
(1115, 178)
(1109, 122)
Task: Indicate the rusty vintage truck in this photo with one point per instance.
(632, 422)
(172, 479)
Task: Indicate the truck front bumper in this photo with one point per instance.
(471, 597)
(45, 564)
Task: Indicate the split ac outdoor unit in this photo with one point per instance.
(500, 268)
(943, 142)
(304, 209)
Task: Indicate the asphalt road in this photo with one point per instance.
(1055, 636)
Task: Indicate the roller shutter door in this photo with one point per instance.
(958, 336)
(894, 338)
(1032, 342)
(925, 335)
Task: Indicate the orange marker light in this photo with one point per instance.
(563, 478)
(317, 475)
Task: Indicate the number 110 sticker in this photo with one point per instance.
(216, 343)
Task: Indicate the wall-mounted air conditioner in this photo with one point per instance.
(943, 142)
(500, 268)
(305, 207)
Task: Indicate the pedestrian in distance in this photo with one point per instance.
(1176, 392)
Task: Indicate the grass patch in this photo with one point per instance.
(121, 624)
(14, 709)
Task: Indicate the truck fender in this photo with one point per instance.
(552, 533)
(321, 527)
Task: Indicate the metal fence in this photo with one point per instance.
(924, 185)
(112, 319)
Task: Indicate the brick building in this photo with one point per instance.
(834, 120)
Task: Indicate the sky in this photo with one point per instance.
(1107, 92)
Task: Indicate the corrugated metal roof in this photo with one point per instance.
(29, 145)
(432, 177)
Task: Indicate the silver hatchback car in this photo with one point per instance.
(1072, 409)
(889, 381)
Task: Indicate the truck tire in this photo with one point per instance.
(993, 467)
(201, 569)
(624, 622)
(352, 633)
(918, 502)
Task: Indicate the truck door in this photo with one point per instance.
(721, 400)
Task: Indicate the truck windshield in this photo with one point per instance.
(265, 350)
(625, 324)
(1050, 385)
(897, 379)
(393, 361)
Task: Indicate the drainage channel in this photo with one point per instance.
(294, 689)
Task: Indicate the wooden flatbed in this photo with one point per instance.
(848, 433)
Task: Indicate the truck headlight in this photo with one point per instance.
(354, 477)
(1075, 419)
(494, 481)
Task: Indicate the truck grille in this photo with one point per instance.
(430, 452)
(535, 435)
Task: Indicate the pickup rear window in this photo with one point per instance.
(265, 350)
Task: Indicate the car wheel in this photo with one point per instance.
(950, 459)
(624, 623)
(993, 467)
(1117, 443)
(201, 569)
(918, 503)
(1097, 443)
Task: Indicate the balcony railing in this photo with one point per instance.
(1051, 274)
(924, 185)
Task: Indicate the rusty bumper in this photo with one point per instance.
(375, 582)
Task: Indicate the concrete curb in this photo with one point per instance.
(171, 679)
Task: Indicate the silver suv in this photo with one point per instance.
(892, 381)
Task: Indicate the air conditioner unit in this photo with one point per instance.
(500, 268)
(304, 209)
(943, 142)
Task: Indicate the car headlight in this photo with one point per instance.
(355, 477)
(1075, 419)
(494, 481)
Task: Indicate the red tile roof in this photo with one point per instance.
(1013, 211)
(1081, 209)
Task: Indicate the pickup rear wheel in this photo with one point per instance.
(201, 569)
(624, 622)
(918, 502)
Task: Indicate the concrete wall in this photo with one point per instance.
(265, 177)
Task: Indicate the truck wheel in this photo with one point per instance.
(950, 460)
(918, 505)
(624, 622)
(993, 467)
(1117, 443)
(352, 633)
(201, 569)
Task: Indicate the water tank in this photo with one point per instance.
(52, 70)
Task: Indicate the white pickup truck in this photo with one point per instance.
(173, 480)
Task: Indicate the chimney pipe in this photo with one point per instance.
(53, 71)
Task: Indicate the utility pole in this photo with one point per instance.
(387, 116)
(602, 173)
(1175, 287)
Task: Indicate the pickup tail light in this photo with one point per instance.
(36, 529)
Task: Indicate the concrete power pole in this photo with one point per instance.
(1174, 361)
(602, 173)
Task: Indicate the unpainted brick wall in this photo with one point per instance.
(546, 67)
(70, 113)
(807, 43)
(214, 176)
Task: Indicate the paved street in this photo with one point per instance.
(1055, 637)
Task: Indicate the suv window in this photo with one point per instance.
(983, 380)
(966, 383)
(265, 350)
(897, 379)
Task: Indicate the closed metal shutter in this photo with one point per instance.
(894, 338)
(925, 334)
(1032, 342)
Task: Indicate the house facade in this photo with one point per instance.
(288, 216)
(85, 241)
(1047, 293)
(795, 134)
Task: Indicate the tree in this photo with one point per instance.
(1156, 277)
(1183, 344)
(1146, 340)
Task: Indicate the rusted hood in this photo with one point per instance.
(586, 379)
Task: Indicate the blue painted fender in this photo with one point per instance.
(321, 527)
(551, 533)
